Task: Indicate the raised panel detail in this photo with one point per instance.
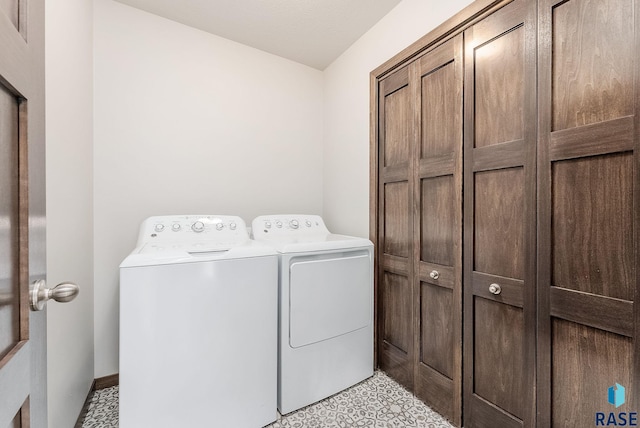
(593, 60)
(396, 219)
(499, 218)
(498, 347)
(436, 334)
(9, 280)
(11, 8)
(396, 295)
(438, 220)
(396, 127)
(592, 225)
(585, 363)
(499, 89)
(440, 105)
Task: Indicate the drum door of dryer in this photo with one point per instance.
(330, 295)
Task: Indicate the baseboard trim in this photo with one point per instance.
(106, 381)
(85, 406)
(99, 383)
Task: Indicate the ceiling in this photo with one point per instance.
(311, 32)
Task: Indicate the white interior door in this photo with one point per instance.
(22, 213)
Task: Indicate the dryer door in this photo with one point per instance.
(330, 295)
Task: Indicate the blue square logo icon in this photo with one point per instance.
(616, 395)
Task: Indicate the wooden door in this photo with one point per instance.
(397, 132)
(437, 277)
(22, 226)
(499, 219)
(589, 184)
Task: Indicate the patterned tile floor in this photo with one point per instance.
(377, 402)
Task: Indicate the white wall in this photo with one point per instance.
(187, 123)
(69, 136)
(346, 108)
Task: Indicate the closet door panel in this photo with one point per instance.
(437, 367)
(588, 208)
(582, 221)
(593, 56)
(499, 219)
(395, 315)
(499, 222)
(397, 297)
(499, 88)
(437, 335)
(585, 360)
(438, 222)
(396, 219)
(498, 364)
(396, 132)
(439, 105)
(394, 327)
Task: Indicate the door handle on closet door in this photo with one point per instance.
(495, 289)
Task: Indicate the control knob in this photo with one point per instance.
(198, 226)
(293, 224)
(267, 225)
(176, 227)
(159, 227)
(278, 223)
(308, 223)
(219, 226)
(232, 226)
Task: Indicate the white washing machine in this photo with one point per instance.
(325, 341)
(198, 326)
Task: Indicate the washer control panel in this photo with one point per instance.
(291, 225)
(192, 229)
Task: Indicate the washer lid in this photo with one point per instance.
(153, 254)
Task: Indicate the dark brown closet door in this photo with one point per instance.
(589, 208)
(438, 223)
(395, 249)
(499, 219)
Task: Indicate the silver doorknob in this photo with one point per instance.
(39, 293)
(434, 274)
(495, 289)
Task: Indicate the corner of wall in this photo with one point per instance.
(69, 176)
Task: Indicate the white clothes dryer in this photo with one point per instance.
(325, 340)
(198, 326)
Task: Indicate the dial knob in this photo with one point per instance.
(308, 223)
(232, 226)
(198, 226)
(278, 223)
(267, 225)
(176, 227)
(159, 227)
(293, 224)
(219, 226)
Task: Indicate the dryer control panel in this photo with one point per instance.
(287, 225)
(192, 229)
